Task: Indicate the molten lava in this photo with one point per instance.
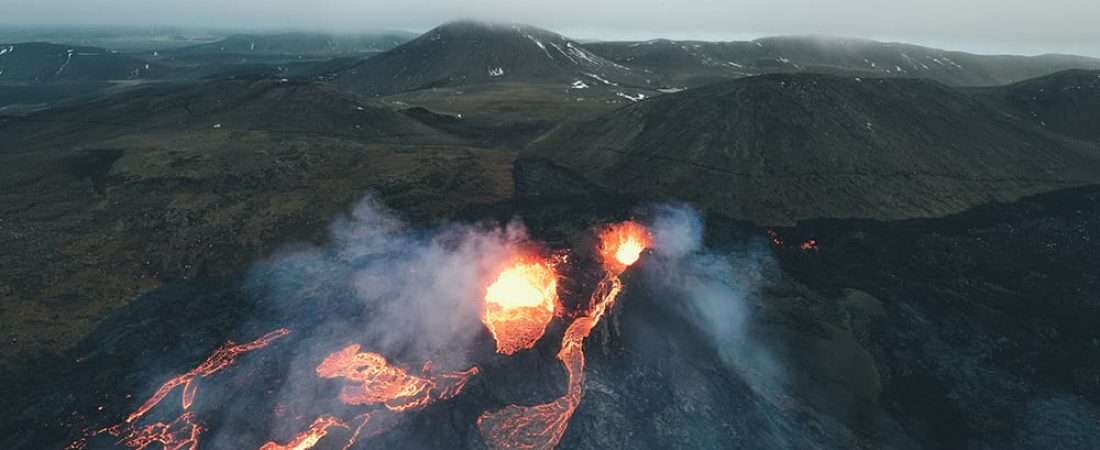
(519, 304)
(184, 431)
(542, 426)
(622, 244)
(223, 357)
(377, 382)
(774, 237)
(309, 438)
(179, 434)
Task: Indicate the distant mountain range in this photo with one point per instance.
(281, 48)
(467, 54)
(55, 63)
(695, 63)
(38, 62)
(470, 53)
(312, 44)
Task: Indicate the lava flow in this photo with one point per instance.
(542, 426)
(307, 439)
(223, 357)
(519, 305)
(377, 382)
(184, 431)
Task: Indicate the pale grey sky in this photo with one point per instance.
(1009, 26)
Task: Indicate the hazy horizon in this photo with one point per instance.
(979, 26)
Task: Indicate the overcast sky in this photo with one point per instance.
(1012, 26)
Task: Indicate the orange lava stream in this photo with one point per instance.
(363, 421)
(184, 431)
(307, 439)
(379, 382)
(223, 357)
(519, 304)
(542, 426)
(179, 434)
(375, 382)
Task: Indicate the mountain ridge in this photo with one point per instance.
(471, 52)
(694, 63)
(781, 148)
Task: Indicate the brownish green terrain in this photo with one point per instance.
(109, 199)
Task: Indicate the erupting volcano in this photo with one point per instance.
(542, 426)
(519, 304)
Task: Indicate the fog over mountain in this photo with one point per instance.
(997, 26)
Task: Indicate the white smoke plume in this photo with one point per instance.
(420, 290)
(715, 291)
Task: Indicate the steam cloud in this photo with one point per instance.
(419, 291)
(412, 295)
(718, 293)
(715, 290)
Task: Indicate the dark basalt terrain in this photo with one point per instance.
(889, 334)
(783, 148)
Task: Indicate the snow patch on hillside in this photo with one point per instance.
(68, 58)
(600, 79)
(537, 42)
